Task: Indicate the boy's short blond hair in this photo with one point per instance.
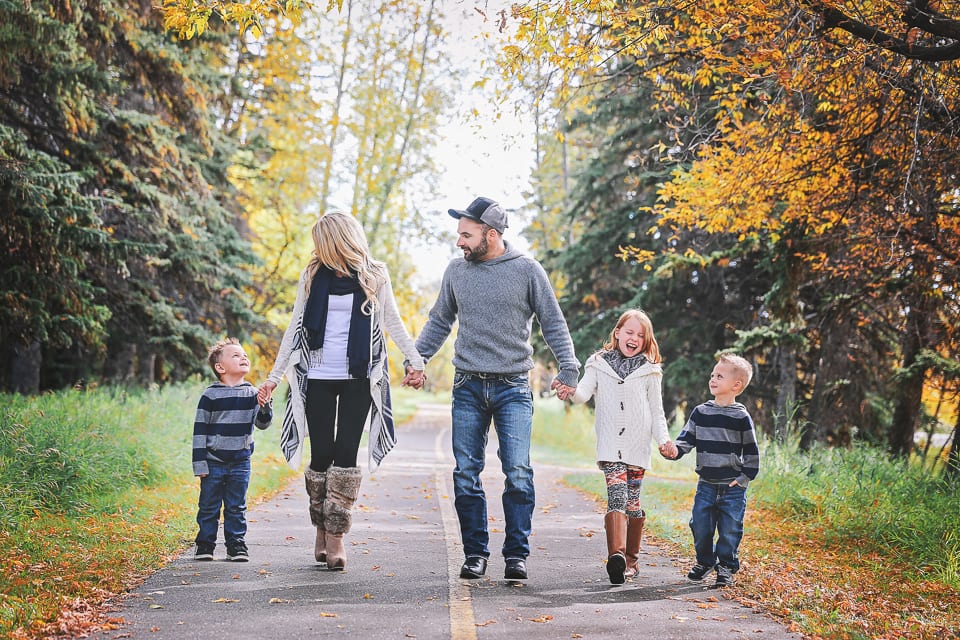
(740, 364)
(215, 352)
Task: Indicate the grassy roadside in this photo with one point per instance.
(97, 490)
(839, 544)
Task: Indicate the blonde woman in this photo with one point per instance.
(624, 378)
(335, 359)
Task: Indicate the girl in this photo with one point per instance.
(624, 377)
(335, 359)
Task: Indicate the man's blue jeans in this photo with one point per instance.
(225, 485)
(718, 509)
(508, 402)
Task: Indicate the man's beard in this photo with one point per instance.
(474, 255)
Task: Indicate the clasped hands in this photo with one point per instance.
(564, 392)
(669, 450)
(414, 378)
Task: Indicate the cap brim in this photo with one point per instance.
(457, 213)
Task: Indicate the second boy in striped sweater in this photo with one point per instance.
(722, 432)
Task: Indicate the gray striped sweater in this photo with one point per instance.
(725, 441)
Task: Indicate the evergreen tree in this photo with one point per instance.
(116, 177)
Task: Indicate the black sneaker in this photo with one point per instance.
(724, 576)
(204, 551)
(237, 552)
(698, 571)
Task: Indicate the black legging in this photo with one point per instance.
(336, 414)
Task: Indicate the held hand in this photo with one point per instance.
(265, 392)
(414, 378)
(669, 450)
(733, 483)
(564, 392)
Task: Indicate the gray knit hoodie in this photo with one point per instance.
(494, 302)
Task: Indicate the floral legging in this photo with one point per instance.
(623, 487)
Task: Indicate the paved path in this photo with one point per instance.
(403, 559)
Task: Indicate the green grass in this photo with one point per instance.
(96, 487)
(861, 496)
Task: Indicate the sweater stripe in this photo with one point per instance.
(223, 425)
(725, 441)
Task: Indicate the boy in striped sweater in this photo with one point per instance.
(222, 446)
(722, 432)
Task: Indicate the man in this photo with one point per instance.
(494, 292)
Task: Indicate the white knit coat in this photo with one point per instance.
(629, 413)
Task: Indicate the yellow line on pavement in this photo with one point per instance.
(462, 626)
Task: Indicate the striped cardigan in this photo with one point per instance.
(293, 361)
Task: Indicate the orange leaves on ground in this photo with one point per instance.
(87, 562)
(832, 587)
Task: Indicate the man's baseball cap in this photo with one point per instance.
(483, 210)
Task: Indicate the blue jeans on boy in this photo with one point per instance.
(226, 485)
(718, 509)
(508, 401)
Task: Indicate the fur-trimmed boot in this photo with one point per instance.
(316, 482)
(615, 523)
(634, 536)
(343, 486)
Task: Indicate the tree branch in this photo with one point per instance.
(835, 19)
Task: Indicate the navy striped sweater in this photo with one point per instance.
(223, 426)
(725, 441)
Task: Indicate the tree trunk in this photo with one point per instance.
(146, 374)
(787, 397)
(25, 361)
(815, 427)
(908, 392)
(122, 364)
(953, 458)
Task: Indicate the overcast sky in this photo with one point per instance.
(486, 157)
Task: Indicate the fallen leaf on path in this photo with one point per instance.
(277, 601)
(225, 600)
(542, 619)
(156, 606)
(324, 614)
(484, 624)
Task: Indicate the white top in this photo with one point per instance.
(629, 412)
(389, 319)
(335, 364)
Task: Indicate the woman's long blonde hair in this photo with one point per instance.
(339, 243)
(650, 347)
